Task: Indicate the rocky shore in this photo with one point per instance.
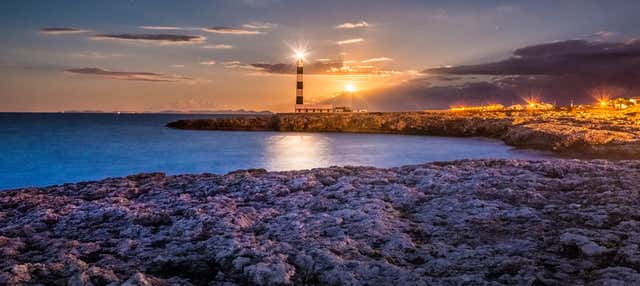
(472, 222)
(587, 134)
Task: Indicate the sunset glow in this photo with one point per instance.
(350, 87)
(228, 55)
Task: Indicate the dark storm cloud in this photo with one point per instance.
(574, 57)
(124, 75)
(559, 72)
(61, 31)
(163, 39)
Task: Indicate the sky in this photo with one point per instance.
(158, 55)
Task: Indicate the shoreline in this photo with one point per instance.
(564, 133)
(469, 221)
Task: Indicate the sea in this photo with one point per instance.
(43, 149)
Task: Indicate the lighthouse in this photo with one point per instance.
(299, 83)
(300, 106)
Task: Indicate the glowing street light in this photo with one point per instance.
(603, 102)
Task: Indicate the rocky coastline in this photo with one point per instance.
(584, 134)
(470, 222)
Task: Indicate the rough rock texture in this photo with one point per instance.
(482, 222)
(593, 134)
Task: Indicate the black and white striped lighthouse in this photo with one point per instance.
(299, 84)
(301, 106)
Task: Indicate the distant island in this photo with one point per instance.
(222, 111)
(203, 111)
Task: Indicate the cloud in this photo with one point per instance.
(377, 60)
(558, 72)
(208, 63)
(231, 63)
(605, 34)
(325, 67)
(349, 25)
(61, 31)
(219, 47)
(169, 28)
(231, 31)
(260, 25)
(507, 9)
(350, 41)
(45, 67)
(134, 76)
(602, 35)
(163, 39)
(572, 57)
(161, 28)
(422, 94)
(239, 65)
(439, 15)
(96, 55)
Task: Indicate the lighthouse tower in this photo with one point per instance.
(299, 84)
(300, 105)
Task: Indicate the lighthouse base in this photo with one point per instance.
(314, 108)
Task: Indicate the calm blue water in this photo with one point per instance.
(47, 149)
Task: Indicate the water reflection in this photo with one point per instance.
(296, 151)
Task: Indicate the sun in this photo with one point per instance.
(349, 87)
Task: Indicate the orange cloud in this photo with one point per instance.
(377, 60)
(350, 41)
(219, 47)
(208, 63)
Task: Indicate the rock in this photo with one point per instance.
(617, 276)
(469, 222)
(586, 246)
(597, 135)
(270, 274)
(80, 279)
(101, 276)
(139, 279)
(20, 274)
